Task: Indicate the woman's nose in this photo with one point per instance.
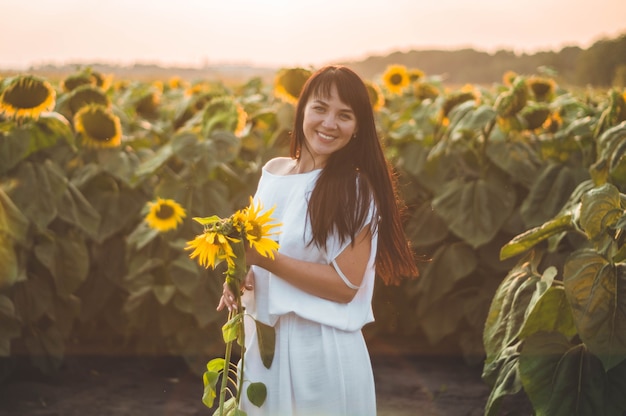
(329, 121)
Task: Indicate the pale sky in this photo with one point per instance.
(289, 32)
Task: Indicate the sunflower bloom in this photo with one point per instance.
(396, 79)
(541, 88)
(165, 214)
(424, 91)
(289, 82)
(415, 75)
(98, 126)
(377, 99)
(453, 100)
(211, 247)
(87, 94)
(257, 227)
(27, 96)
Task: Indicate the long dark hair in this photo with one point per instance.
(352, 176)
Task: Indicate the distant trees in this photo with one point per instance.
(602, 65)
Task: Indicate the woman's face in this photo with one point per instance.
(328, 126)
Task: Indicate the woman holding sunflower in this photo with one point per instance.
(336, 200)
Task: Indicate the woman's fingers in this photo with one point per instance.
(227, 299)
(248, 282)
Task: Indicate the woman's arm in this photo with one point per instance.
(321, 279)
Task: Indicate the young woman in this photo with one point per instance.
(336, 199)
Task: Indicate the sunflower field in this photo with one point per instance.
(515, 196)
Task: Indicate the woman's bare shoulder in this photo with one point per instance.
(279, 165)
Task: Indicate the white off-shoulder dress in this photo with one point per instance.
(321, 365)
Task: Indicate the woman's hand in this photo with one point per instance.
(228, 297)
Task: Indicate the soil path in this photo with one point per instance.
(131, 386)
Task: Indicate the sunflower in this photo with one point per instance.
(257, 228)
(511, 102)
(215, 243)
(396, 78)
(535, 115)
(415, 75)
(509, 77)
(27, 96)
(553, 122)
(165, 214)
(98, 126)
(224, 113)
(542, 88)
(377, 99)
(289, 82)
(87, 94)
(423, 91)
(466, 93)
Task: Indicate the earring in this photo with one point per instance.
(354, 136)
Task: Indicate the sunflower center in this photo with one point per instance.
(99, 126)
(165, 212)
(26, 94)
(395, 79)
(256, 231)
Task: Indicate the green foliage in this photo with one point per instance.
(568, 344)
(484, 181)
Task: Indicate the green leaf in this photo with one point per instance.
(475, 210)
(164, 293)
(548, 194)
(425, 228)
(231, 329)
(507, 311)
(75, 209)
(528, 239)
(507, 382)
(600, 208)
(47, 130)
(9, 325)
(46, 348)
(449, 265)
(149, 167)
(67, 259)
(39, 188)
(551, 313)
(596, 291)
(561, 379)
(120, 164)
(216, 365)
(230, 408)
(12, 223)
(209, 379)
(472, 121)
(32, 298)
(142, 235)
(14, 146)
(257, 393)
(266, 336)
(117, 204)
(517, 158)
(9, 272)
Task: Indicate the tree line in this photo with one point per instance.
(601, 65)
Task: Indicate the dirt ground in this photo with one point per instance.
(407, 384)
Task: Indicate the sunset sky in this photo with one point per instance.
(289, 32)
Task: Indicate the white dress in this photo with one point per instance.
(321, 364)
